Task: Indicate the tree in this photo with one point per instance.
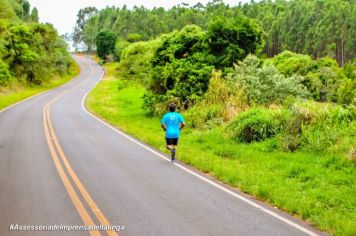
(34, 15)
(30, 53)
(315, 27)
(105, 43)
(232, 40)
(6, 10)
(82, 17)
(25, 10)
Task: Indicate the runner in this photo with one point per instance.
(172, 122)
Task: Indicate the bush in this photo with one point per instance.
(318, 127)
(135, 60)
(157, 105)
(290, 63)
(206, 116)
(321, 77)
(264, 84)
(5, 75)
(346, 94)
(223, 100)
(119, 47)
(350, 69)
(132, 38)
(257, 124)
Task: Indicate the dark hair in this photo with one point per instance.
(172, 107)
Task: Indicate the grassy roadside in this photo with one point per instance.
(318, 189)
(11, 96)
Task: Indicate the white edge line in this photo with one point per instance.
(291, 223)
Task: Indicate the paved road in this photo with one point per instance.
(61, 166)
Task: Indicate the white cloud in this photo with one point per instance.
(62, 14)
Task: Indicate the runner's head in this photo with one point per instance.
(172, 107)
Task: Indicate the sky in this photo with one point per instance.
(62, 14)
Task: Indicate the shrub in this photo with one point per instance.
(135, 60)
(132, 38)
(318, 127)
(257, 124)
(157, 105)
(321, 77)
(204, 116)
(119, 47)
(290, 63)
(264, 84)
(223, 100)
(350, 69)
(346, 94)
(5, 75)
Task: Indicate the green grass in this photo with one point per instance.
(320, 189)
(11, 96)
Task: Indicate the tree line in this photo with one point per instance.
(315, 27)
(30, 52)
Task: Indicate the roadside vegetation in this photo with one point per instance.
(33, 57)
(317, 186)
(261, 116)
(18, 93)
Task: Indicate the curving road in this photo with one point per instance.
(59, 165)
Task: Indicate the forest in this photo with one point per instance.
(267, 89)
(314, 27)
(30, 52)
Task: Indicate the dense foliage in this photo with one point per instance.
(230, 40)
(322, 77)
(317, 28)
(264, 84)
(203, 61)
(30, 52)
(182, 64)
(105, 43)
(257, 124)
(135, 62)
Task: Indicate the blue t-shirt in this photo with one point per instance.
(172, 120)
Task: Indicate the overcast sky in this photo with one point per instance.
(62, 14)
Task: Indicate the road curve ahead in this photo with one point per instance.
(59, 165)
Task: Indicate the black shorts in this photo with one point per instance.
(172, 141)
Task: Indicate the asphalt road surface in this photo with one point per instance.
(62, 167)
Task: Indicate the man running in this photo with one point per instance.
(172, 122)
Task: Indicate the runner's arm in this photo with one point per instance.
(182, 122)
(163, 127)
(182, 125)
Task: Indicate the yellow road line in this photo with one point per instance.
(54, 145)
(72, 194)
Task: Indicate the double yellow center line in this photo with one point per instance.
(66, 172)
